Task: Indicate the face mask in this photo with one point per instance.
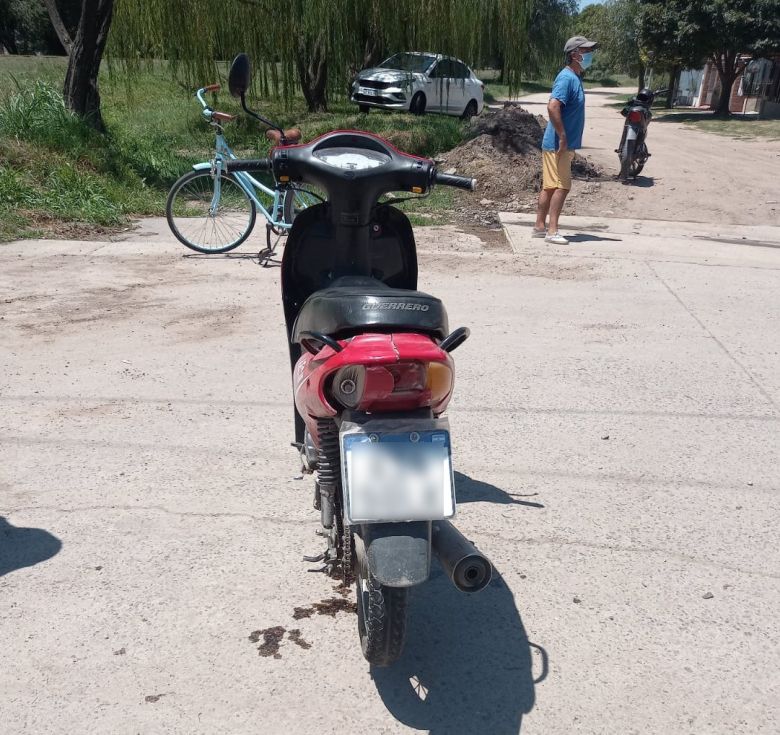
(587, 60)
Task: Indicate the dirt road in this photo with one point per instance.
(615, 428)
(691, 176)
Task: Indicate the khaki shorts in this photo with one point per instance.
(556, 170)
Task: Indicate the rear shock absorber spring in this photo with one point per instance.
(328, 469)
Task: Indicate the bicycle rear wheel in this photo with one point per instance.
(208, 220)
(295, 201)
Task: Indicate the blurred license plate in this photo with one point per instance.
(403, 476)
(370, 92)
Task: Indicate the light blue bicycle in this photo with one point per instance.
(212, 211)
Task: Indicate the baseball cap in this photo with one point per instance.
(576, 42)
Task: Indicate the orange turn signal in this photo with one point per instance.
(439, 381)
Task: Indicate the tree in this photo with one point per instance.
(23, 26)
(723, 31)
(85, 52)
(659, 35)
(551, 23)
(316, 45)
(616, 27)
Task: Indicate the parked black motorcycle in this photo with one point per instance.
(372, 374)
(632, 150)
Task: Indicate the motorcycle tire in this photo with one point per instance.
(626, 158)
(381, 613)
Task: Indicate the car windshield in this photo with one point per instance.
(417, 63)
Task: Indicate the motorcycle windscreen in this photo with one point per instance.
(397, 471)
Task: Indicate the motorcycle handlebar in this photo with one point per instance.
(250, 164)
(459, 182)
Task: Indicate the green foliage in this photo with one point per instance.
(23, 26)
(52, 165)
(552, 23)
(192, 34)
(697, 30)
(687, 32)
(616, 26)
(37, 114)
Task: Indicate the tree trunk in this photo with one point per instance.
(641, 77)
(672, 87)
(8, 38)
(85, 52)
(58, 25)
(726, 64)
(313, 73)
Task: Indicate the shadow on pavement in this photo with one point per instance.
(260, 258)
(469, 490)
(585, 237)
(643, 182)
(694, 115)
(467, 667)
(24, 547)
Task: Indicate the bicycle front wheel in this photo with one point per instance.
(210, 214)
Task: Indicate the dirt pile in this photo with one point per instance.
(504, 154)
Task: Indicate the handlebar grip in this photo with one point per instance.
(212, 88)
(459, 182)
(250, 164)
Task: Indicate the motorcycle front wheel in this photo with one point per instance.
(381, 613)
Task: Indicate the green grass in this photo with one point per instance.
(55, 170)
(737, 126)
(494, 91)
(740, 127)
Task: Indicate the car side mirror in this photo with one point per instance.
(240, 76)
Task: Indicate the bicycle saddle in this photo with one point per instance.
(293, 135)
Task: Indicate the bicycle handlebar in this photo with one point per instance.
(459, 182)
(250, 164)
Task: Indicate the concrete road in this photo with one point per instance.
(616, 442)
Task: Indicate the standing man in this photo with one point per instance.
(563, 136)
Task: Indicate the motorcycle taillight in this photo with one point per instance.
(635, 116)
(398, 386)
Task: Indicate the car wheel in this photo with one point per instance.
(364, 109)
(418, 104)
(470, 111)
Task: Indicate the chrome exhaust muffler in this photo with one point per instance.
(467, 567)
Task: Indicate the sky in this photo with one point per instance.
(585, 3)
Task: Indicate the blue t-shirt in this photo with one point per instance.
(568, 89)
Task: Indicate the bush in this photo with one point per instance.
(37, 114)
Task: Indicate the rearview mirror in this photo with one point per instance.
(240, 76)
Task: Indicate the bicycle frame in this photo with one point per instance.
(248, 183)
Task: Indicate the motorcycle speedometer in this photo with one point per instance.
(354, 159)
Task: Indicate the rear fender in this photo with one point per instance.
(399, 554)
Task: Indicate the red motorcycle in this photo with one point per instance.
(372, 374)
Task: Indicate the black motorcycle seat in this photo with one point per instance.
(355, 304)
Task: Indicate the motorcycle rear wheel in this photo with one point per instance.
(626, 159)
(381, 612)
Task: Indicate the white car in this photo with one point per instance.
(420, 83)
